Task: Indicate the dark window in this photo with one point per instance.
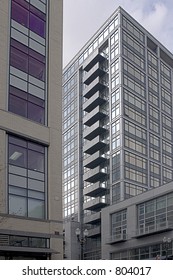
(18, 105)
(37, 25)
(29, 16)
(26, 178)
(19, 60)
(36, 69)
(26, 105)
(20, 14)
(21, 56)
(35, 161)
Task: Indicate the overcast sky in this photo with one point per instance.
(82, 18)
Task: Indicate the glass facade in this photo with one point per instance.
(27, 178)
(150, 252)
(155, 214)
(27, 85)
(122, 114)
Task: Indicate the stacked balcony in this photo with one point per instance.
(95, 175)
(94, 133)
(95, 231)
(97, 99)
(97, 85)
(94, 190)
(95, 145)
(93, 218)
(94, 160)
(94, 58)
(95, 204)
(96, 129)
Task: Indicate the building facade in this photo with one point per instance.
(117, 123)
(30, 128)
(137, 227)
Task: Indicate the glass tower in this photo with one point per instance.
(117, 122)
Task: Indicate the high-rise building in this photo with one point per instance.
(117, 129)
(30, 128)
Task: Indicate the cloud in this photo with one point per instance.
(154, 20)
(83, 18)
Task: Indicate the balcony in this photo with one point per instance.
(95, 231)
(92, 218)
(94, 72)
(117, 238)
(97, 99)
(95, 204)
(94, 116)
(93, 146)
(97, 85)
(98, 189)
(94, 160)
(94, 130)
(160, 227)
(92, 60)
(94, 175)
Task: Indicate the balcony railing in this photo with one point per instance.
(116, 238)
(96, 203)
(94, 190)
(92, 218)
(97, 85)
(95, 130)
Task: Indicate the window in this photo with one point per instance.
(152, 59)
(26, 105)
(116, 193)
(119, 224)
(134, 115)
(133, 44)
(115, 82)
(154, 214)
(116, 166)
(134, 72)
(116, 127)
(133, 57)
(133, 30)
(135, 145)
(29, 16)
(115, 111)
(115, 97)
(26, 178)
(116, 143)
(27, 60)
(134, 85)
(19, 13)
(132, 190)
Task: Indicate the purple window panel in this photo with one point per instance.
(19, 60)
(37, 55)
(19, 93)
(19, 46)
(18, 106)
(35, 113)
(37, 12)
(22, 3)
(36, 100)
(37, 25)
(36, 69)
(19, 14)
